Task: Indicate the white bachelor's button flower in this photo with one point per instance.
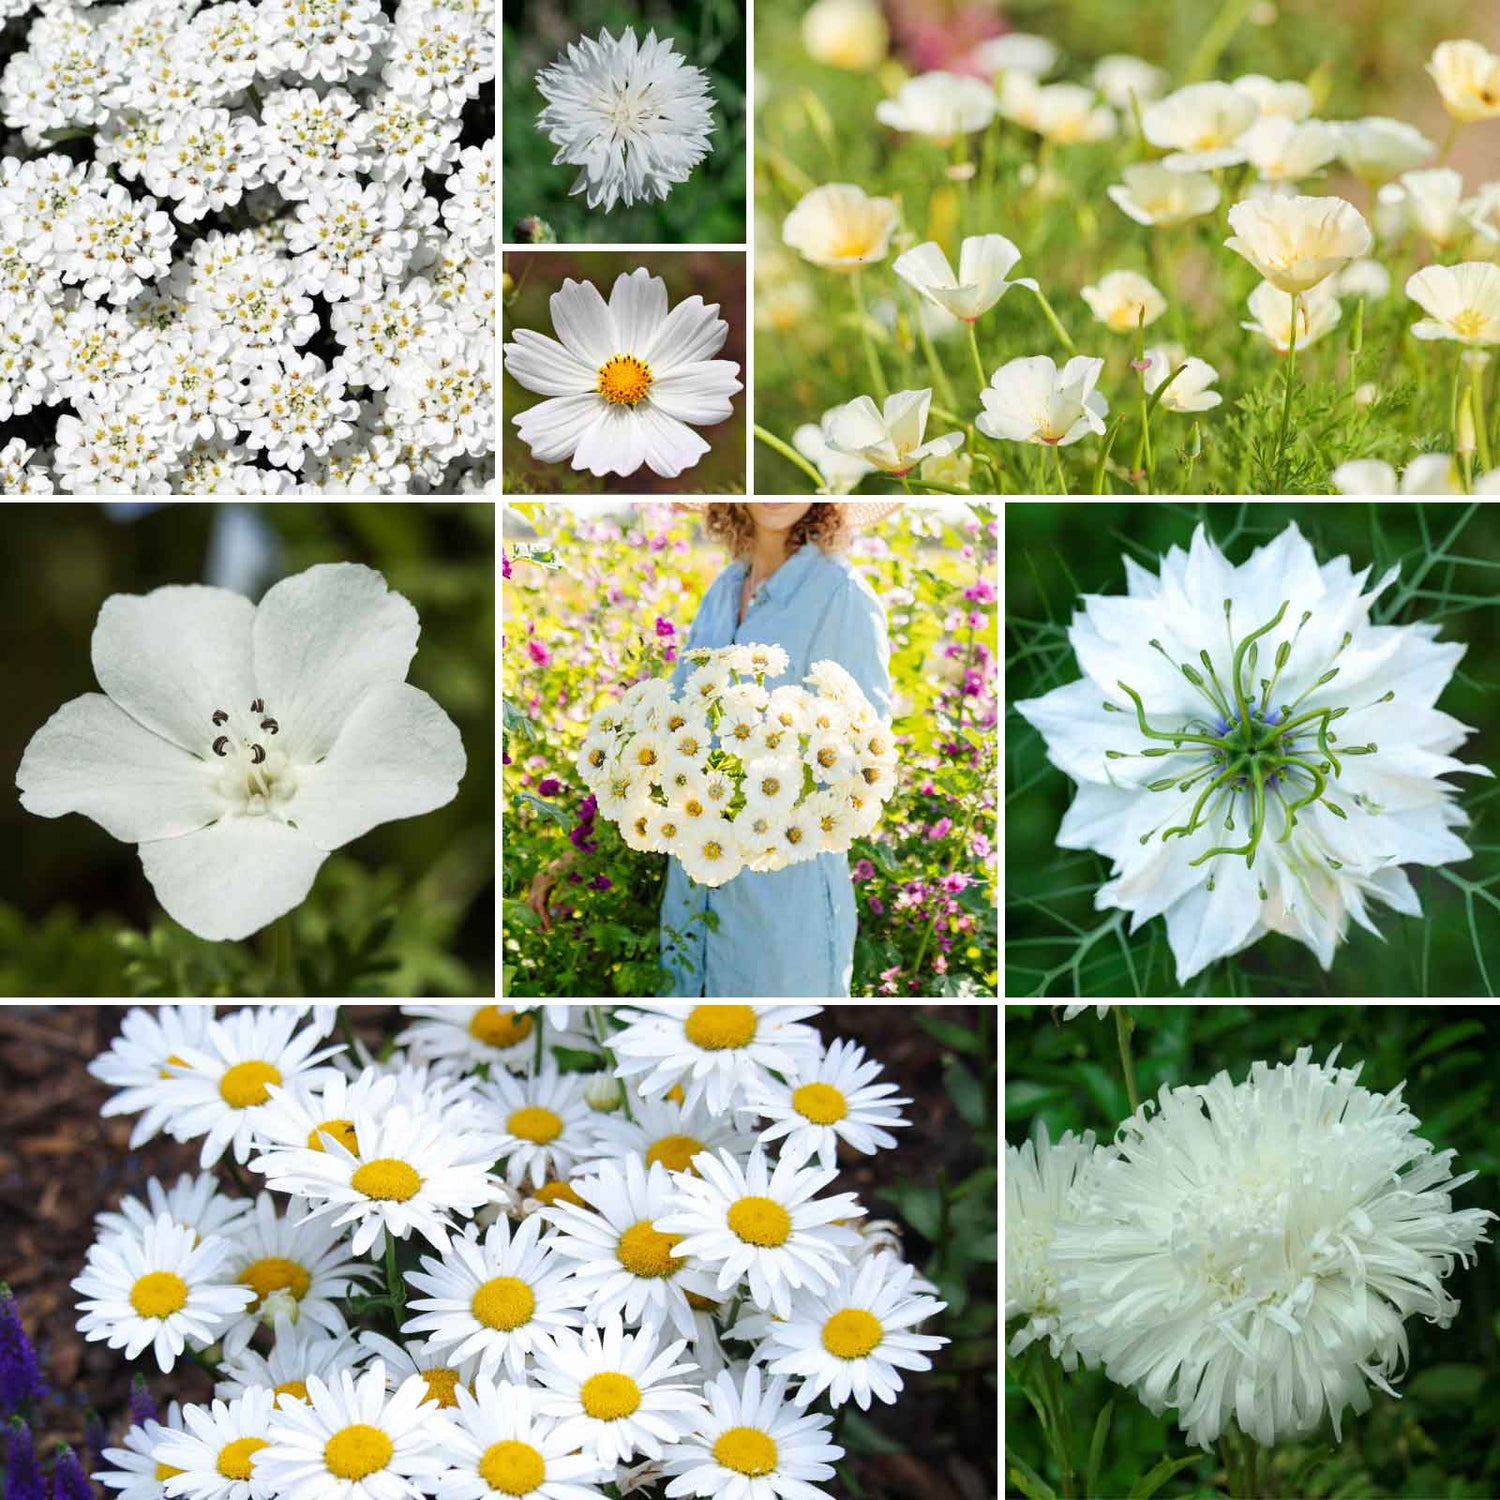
(839, 226)
(238, 745)
(1284, 150)
(984, 261)
(1032, 401)
(1377, 149)
(841, 472)
(1462, 302)
(1015, 52)
(628, 381)
(1276, 98)
(849, 34)
(1189, 390)
(1467, 75)
(1158, 195)
(215, 1458)
(890, 438)
(1201, 125)
(1124, 301)
(1318, 312)
(941, 106)
(1292, 792)
(1296, 242)
(1252, 1251)
(1129, 83)
(1070, 114)
(1427, 474)
(635, 117)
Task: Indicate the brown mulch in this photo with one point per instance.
(61, 1163)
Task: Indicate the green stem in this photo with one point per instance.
(939, 375)
(877, 375)
(1062, 479)
(790, 454)
(601, 1031)
(1286, 404)
(1124, 1025)
(1481, 420)
(1216, 38)
(1062, 1426)
(1057, 328)
(394, 1285)
(1252, 1465)
(978, 362)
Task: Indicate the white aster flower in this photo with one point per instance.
(984, 261)
(1252, 1251)
(1427, 474)
(889, 437)
(1327, 760)
(1157, 195)
(138, 1060)
(1189, 390)
(214, 1458)
(1378, 149)
(1462, 302)
(1318, 312)
(1032, 401)
(1297, 242)
(940, 106)
(1124, 301)
(841, 227)
(1467, 75)
(299, 1351)
(1201, 125)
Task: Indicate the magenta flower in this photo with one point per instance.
(601, 883)
(864, 870)
(665, 627)
(504, 563)
(981, 592)
(550, 786)
(980, 846)
(877, 906)
(941, 829)
(539, 653)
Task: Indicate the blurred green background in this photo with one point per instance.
(718, 276)
(1450, 576)
(707, 209)
(407, 909)
(1443, 1437)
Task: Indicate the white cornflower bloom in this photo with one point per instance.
(984, 262)
(635, 117)
(841, 227)
(1032, 401)
(299, 1351)
(1157, 195)
(1462, 302)
(1427, 474)
(890, 437)
(1251, 1251)
(214, 1458)
(1295, 791)
(1124, 301)
(1378, 149)
(1189, 390)
(1467, 75)
(1201, 125)
(1297, 242)
(941, 106)
(1318, 312)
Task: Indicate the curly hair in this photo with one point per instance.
(823, 525)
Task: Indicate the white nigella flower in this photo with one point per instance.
(1467, 75)
(1201, 125)
(1297, 242)
(984, 261)
(1124, 301)
(239, 745)
(1157, 195)
(890, 438)
(941, 106)
(1462, 302)
(634, 117)
(1253, 752)
(628, 382)
(1251, 1251)
(1317, 312)
(1032, 401)
(1189, 390)
(840, 227)
(1378, 149)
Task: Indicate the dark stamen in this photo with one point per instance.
(221, 745)
(220, 717)
(270, 726)
(258, 706)
(257, 754)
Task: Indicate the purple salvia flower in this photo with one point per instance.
(142, 1402)
(20, 1378)
(69, 1482)
(23, 1474)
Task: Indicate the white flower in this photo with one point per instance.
(1377, 148)
(1072, 1012)
(840, 227)
(849, 34)
(1286, 1226)
(941, 106)
(328, 40)
(1069, 114)
(460, 1038)
(215, 1457)
(1327, 761)
(1032, 401)
(1427, 474)
(1015, 51)
(159, 1288)
(138, 1059)
(542, 1120)
(1277, 98)
(1318, 312)
(1467, 75)
(1158, 195)
(194, 1202)
(1433, 201)
(984, 261)
(135, 1470)
(350, 239)
(1188, 391)
(1297, 242)
(662, 1131)
(1125, 301)
(1201, 125)
(841, 472)
(439, 57)
(710, 851)
(890, 438)
(1365, 278)
(634, 117)
(206, 159)
(628, 382)
(1463, 302)
(422, 1358)
(1129, 83)
(238, 745)
(300, 1350)
(1284, 150)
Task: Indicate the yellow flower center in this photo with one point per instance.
(794, 835)
(297, 1388)
(645, 1251)
(852, 244)
(503, 1302)
(609, 1396)
(852, 1333)
(760, 1221)
(442, 1385)
(237, 1458)
(341, 1130)
(166, 1471)
(535, 1124)
(625, 380)
(501, 1028)
(559, 1192)
(159, 1294)
(387, 1179)
(246, 1084)
(172, 1062)
(713, 850)
(512, 1468)
(700, 1303)
(746, 1450)
(826, 756)
(720, 1028)
(820, 1102)
(357, 1452)
(675, 1152)
(1469, 322)
(274, 1273)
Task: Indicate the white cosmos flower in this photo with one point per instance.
(1158, 195)
(1201, 125)
(542, 1119)
(1467, 75)
(215, 1457)
(1032, 401)
(1252, 1251)
(984, 261)
(941, 106)
(1070, 114)
(1427, 474)
(1188, 391)
(159, 1288)
(239, 745)
(1326, 758)
(1285, 150)
(1318, 312)
(1378, 149)
(138, 1059)
(889, 437)
(134, 1473)
(300, 1350)
(194, 1202)
(627, 382)
(1124, 301)
(841, 227)
(1462, 302)
(634, 117)
(1297, 242)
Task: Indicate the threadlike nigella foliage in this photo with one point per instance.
(20, 1379)
(1251, 1251)
(69, 1482)
(23, 1474)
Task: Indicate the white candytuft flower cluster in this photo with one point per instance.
(291, 160)
(1248, 1254)
(729, 775)
(1253, 752)
(666, 1299)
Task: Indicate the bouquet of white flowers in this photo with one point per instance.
(731, 776)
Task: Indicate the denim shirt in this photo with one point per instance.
(789, 931)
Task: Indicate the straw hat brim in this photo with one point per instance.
(858, 514)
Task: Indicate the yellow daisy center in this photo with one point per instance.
(701, 1304)
(625, 380)
(645, 1251)
(159, 1294)
(713, 850)
(387, 1179)
(677, 1094)
(559, 1192)
(609, 1396)
(746, 1450)
(237, 1458)
(794, 835)
(536, 1124)
(826, 756)
(247, 1083)
(852, 1333)
(274, 1273)
(675, 1152)
(720, 1028)
(512, 1468)
(297, 1388)
(820, 1102)
(442, 1385)
(357, 1452)
(503, 1302)
(760, 1221)
(499, 1028)
(341, 1130)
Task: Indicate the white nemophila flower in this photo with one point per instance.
(1378, 149)
(195, 1202)
(299, 1351)
(134, 1472)
(1286, 1226)
(1467, 75)
(1270, 308)
(1427, 474)
(139, 1058)
(1462, 302)
(984, 261)
(1032, 401)
(1201, 125)
(753, 1442)
(158, 1288)
(1297, 242)
(891, 438)
(1283, 150)
(1191, 379)
(941, 106)
(634, 117)
(542, 1120)
(628, 382)
(1157, 195)
(214, 1457)
(326, 40)
(239, 744)
(841, 227)
(1124, 301)
(1297, 779)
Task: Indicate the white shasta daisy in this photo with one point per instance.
(443, 1379)
(459, 1038)
(543, 1121)
(663, 1131)
(138, 1059)
(134, 1472)
(194, 1201)
(214, 1457)
(299, 1350)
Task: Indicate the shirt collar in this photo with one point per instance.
(784, 580)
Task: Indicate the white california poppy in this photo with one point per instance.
(1158, 195)
(627, 381)
(1377, 148)
(941, 106)
(1015, 52)
(1276, 98)
(1434, 202)
(1462, 302)
(984, 262)
(1427, 474)
(841, 472)
(848, 34)
(1200, 125)
(1318, 312)
(1365, 278)
(1189, 390)
(1285, 150)
(1032, 401)
(238, 745)
(1070, 114)
(1467, 75)
(1124, 301)
(840, 226)
(890, 438)
(1296, 242)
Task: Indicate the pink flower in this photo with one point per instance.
(504, 562)
(981, 592)
(539, 653)
(550, 787)
(888, 979)
(864, 870)
(940, 964)
(941, 829)
(877, 906)
(980, 846)
(670, 654)
(955, 882)
(665, 627)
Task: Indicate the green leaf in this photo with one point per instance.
(1027, 1480)
(967, 1094)
(547, 810)
(1025, 1097)
(921, 1206)
(860, 1436)
(1148, 1484)
(1096, 1448)
(1448, 1386)
(1446, 1036)
(960, 1038)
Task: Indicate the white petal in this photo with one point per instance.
(583, 323)
(693, 332)
(543, 365)
(670, 446)
(92, 758)
(698, 393)
(551, 429)
(397, 755)
(612, 443)
(638, 306)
